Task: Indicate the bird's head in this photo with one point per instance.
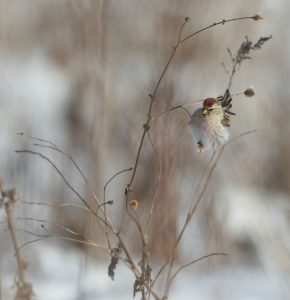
(210, 104)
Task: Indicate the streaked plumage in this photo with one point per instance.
(209, 123)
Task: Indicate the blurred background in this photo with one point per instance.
(78, 73)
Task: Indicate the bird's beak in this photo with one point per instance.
(205, 112)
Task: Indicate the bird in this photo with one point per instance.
(209, 124)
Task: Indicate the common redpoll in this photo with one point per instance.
(209, 123)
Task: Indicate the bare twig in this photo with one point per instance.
(57, 225)
(190, 213)
(181, 106)
(55, 148)
(157, 182)
(143, 281)
(60, 174)
(152, 96)
(37, 139)
(104, 200)
(212, 25)
(195, 202)
(129, 257)
(9, 210)
(146, 128)
(24, 289)
(60, 205)
(193, 262)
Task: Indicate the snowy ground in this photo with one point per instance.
(67, 275)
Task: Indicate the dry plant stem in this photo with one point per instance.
(234, 69)
(108, 222)
(9, 210)
(152, 96)
(67, 183)
(37, 139)
(85, 242)
(208, 168)
(162, 268)
(240, 135)
(195, 261)
(57, 225)
(146, 128)
(157, 182)
(104, 200)
(190, 213)
(55, 148)
(51, 236)
(202, 179)
(208, 174)
(212, 25)
(101, 207)
(61, 175)
(181, 106)
(65, 204)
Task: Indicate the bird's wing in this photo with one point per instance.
(226, 100)
(226, 105)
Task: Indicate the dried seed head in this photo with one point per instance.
(134, 204)
(249, 92)
(257, 17)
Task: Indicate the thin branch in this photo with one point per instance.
(60, 226)
(99, 205)
(60, 174)
(117, 234)
(37, 139)
(104, 200)
(157, 182)
(212, 25)
(188, 219)
(195, 261)
(153, 95)
(115, 175)
(55, 148)
(159, 272)
(225, 68)
(181, 106)
(41, 238)
(146, 126)
(240, 135)
(11, 228)
(152, 99)
(208, 174)
(66, 204)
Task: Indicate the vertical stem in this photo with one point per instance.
(9, 210)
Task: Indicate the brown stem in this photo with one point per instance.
(214, 24)
(188, 219)
(9, 210)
